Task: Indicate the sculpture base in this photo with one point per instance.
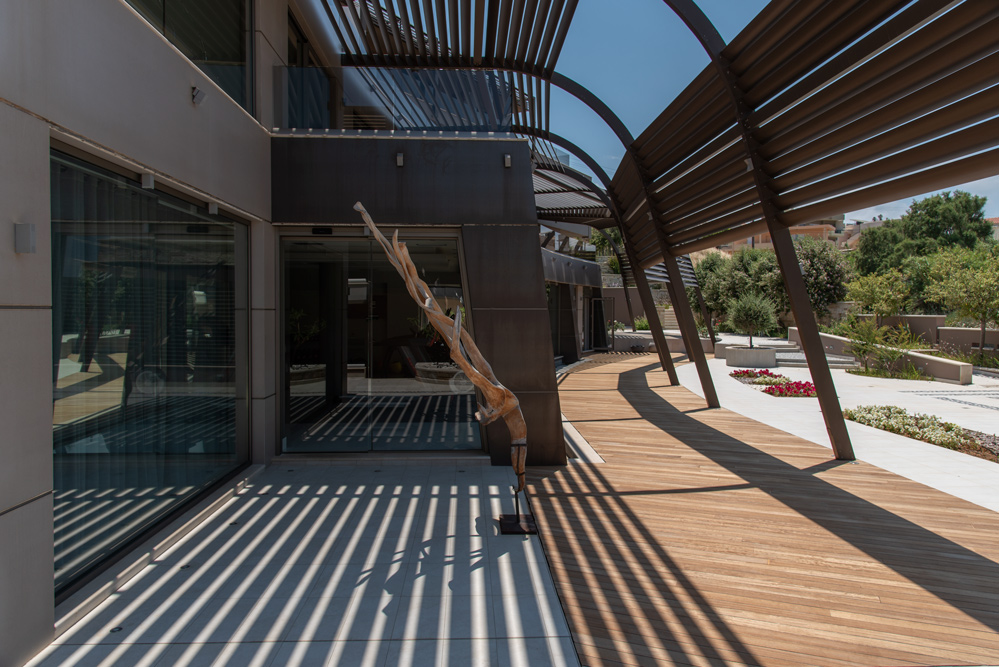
(518, 524)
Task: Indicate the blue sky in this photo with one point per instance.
(637, 56)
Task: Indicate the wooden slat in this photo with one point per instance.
(707, 539)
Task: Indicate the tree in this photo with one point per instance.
(600, 242)
(968, 282)
(824, 271)
(882, 294)
(942, 221)
(729, 278)
(751, 313)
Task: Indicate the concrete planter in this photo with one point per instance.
(743, 356)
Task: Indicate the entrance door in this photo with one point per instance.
(363, 369)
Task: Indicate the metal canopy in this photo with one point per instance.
(817, 107)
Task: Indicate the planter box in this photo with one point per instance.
(742, 356)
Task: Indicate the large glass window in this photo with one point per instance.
(364, 370)
(149, 342)
(216, 35)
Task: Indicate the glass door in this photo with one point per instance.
(364, 371)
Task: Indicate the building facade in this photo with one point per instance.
(185, 289)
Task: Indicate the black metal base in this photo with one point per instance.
(518, 524)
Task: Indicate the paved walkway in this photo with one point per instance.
(394, 563)
(974, 406)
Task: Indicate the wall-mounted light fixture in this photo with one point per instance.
(213, 208)
(398, 159)
(197, 96)
(148, 181)
(24, 238)
(507, 161)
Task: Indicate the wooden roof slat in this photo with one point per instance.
(928, 99)
(347, 27)
(731, 219)
(809, 47)
(968, 111)
(442, 32)
(685, 156)
(454, 23)
(855, 53)
(865, 110)
(773, 12)
(526, 27)
(428, 21)
(971, 168)
(706, 85)
(958, 144)
(513, 33)
(803, 15)
(726, 163)
(551, 28)
(374, 8)
(537, 32)
(421, 42)
(563, 29)
(742, 230)
(503, 29)
(691, 215)
(411, 48)
(365, 30)
(478, 32)
(917, 60)
(736, 185)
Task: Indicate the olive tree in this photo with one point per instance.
(751, 313)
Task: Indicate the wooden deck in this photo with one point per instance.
(710, 539)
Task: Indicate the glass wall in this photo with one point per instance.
(149, 343)
(364, 370)
(216, 35)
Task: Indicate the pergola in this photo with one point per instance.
(816, 107)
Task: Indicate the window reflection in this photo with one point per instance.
(149, 350)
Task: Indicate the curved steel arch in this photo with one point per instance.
(699, 24)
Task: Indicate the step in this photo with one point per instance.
(797, 360)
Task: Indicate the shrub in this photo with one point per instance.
(641, 323)
(754, 373)
(918, 426)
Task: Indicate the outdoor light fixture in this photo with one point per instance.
(398, 159)
(213, 208)
(197, 96)
(148, 181)
(24, 238)
(507, 161)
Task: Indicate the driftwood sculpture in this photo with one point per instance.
(499, 401)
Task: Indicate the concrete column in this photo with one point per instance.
(27, 611)
(265, 411)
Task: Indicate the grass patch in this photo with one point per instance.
(907, 373)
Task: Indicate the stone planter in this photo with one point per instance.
(743, 356)
(438, 373)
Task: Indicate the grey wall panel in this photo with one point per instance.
(545, 440)
(518, 345)
(27, 614)
(504, 264)
(442, 181)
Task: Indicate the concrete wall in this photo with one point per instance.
(967, 339)
(936, 367)
(924, 326)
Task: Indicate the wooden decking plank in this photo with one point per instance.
(706, 538)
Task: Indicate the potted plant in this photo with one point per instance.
(751, 314)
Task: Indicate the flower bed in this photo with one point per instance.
(791, 389)
(775, 384)
(927, 428)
